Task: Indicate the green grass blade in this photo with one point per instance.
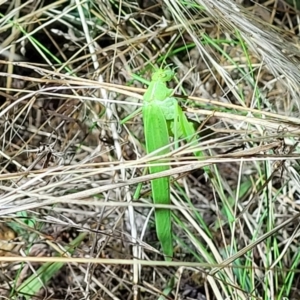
(32, 285)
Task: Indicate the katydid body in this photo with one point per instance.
(160, 108)
(157, 136)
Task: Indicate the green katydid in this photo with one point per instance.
(160, 108)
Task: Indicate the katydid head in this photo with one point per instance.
(163, 75)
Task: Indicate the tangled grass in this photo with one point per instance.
(72, 150)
